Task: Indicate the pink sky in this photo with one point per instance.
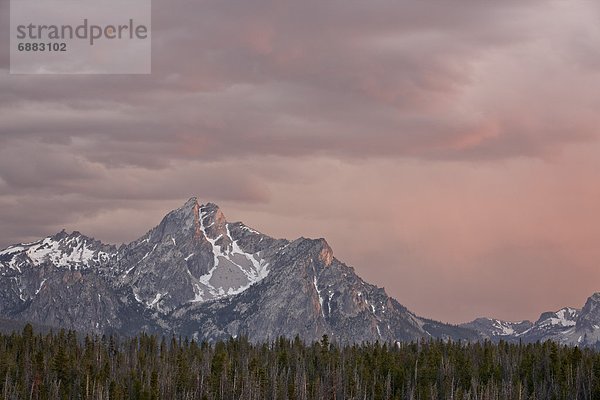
(448, 151)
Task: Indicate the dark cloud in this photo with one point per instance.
(257, 77)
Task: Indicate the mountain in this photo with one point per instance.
(497, 329)
(570, 326)
(196, 274)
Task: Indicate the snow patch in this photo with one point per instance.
(319, 294)
(41, 284)
(502, 328)
(252, 266)
(11, 250)
(564, 317)
(73, 252)
(245, 228)
(155, 300)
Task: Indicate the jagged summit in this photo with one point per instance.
(594, 298)
(61, 250)
(194, 255)
(192, 218)
(565, 317)
(199, 275)
(192, 202)
(590, 313)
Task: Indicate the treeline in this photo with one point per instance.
(63, 366)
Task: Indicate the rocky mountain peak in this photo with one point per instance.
(177, 222)
(590, 313)
(326, 253)
(192, 221)
(595, 298)
(194, 255)
(200, 220)
(64, 234)
(40, 268)
(565, 317)
(60, 235)
(191, 203)
(213, 225)
(197, 274)
(212, 215)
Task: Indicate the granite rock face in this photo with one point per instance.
(198, 275)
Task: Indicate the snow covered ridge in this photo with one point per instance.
(199, 274)
(495, 328)
(503, 327)
(232, 271)
(72, 251)
(568, 325)
(192, 257)
(564, 317)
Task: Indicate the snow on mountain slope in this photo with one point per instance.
(233, 270)
(194, 255)
(568, 325)
(565, 317)
(498, 329)
(197, 274)
(71, 251)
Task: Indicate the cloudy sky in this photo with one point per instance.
(448, 150)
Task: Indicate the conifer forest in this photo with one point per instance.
(64, 365)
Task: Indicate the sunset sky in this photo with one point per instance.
(447, 150)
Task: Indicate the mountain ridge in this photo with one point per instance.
(197, 274)
(568, 325)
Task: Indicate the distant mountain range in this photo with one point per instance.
(568, 325)
(198, 275)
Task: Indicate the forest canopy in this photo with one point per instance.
(64, 365)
